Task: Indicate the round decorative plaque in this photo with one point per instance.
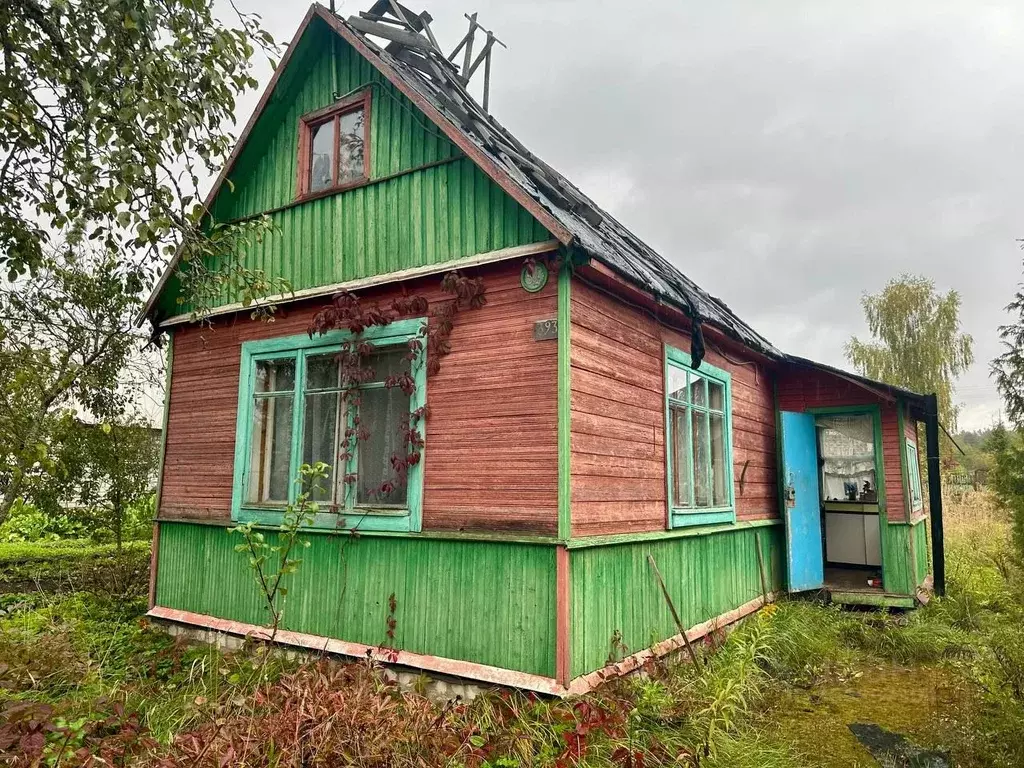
(535, 281)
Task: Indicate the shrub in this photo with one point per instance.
(27, 523)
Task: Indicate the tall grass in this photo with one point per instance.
(202, 705)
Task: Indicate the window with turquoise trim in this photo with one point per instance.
(698, 410)
(295, 407)
(914, 473)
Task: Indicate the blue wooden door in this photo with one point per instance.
(804, 556)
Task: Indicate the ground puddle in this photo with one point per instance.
(894, 750)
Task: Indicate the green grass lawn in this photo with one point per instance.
(83, 676)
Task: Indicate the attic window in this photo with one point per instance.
(334, 147)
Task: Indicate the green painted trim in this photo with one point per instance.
(163, 434)
(499, 538)
(564, 402)
(676, 533)
(841, 409)
(780, 479)
(877, 600)
(684, 359)
(910, 523)
(915, 477)
(880, 487)
(903, 459)
(297, 347)
(684, 516)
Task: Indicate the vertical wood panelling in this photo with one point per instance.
(899, 566)
(490, 603)
(614, 593)
(428, 216)
(922, 550)
(618, 414)
(492, 457)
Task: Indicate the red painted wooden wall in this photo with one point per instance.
(491, 456)
(801, 388)
(618, 420)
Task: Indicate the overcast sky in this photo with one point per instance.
(788, 156)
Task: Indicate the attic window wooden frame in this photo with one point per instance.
(360, 101)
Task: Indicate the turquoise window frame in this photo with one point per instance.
(298, 348)
(685, 516)
(914, 475)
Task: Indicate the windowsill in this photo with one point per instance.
(305, 197)
(683, 518)
(360, 519)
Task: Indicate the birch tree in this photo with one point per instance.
(916, 341)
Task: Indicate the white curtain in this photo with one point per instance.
(848, 454)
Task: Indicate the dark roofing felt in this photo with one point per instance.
(593, 230)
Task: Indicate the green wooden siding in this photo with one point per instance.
(905, 564)
(613, 588)
(922, 550)
(490, 603)
(424, 217)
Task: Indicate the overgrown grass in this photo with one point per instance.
(111, 682)
(74, 565)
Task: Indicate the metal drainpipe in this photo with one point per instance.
(931, 423)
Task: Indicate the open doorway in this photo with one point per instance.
(848, 482)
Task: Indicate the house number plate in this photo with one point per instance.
(545, 329)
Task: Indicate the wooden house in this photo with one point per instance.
(599, 415)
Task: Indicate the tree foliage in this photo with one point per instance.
(916, 341)
(112, 113)
(1008, 368)
(1007, 478)
(105, 478)
(67, 347)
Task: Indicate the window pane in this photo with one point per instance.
(387, 362)
(847, 449)
(701, 460)
(716, 396)
(350, 146)
(681, 489)
(275, 375)
(676, 383)
(320, 440)
(270, 453)
(381, 411)
(322, 372)
(698, 391)
(719, 464)
(321, 156)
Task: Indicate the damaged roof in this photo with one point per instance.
(415, 65)
(413, 56)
